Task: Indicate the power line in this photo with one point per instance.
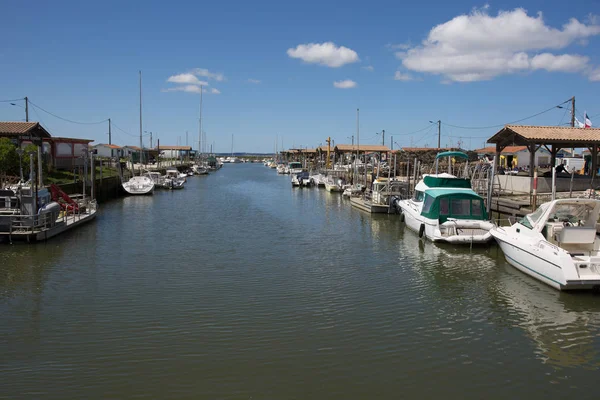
(417, 131)
(127, 133)
(11, 101)
(508, 123)
(66, 119)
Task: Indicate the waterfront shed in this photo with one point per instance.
(552, 138)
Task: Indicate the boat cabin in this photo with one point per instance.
(445, 204)
(567, 223)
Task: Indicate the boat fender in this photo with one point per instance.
(421, 230)
(402, 217)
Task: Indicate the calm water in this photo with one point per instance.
(240, 287)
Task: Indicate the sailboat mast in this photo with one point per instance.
(232, 145)
(200, 125)
(141, 144)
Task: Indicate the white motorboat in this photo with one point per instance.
(295, 167)
(178, 178)
(199, 170)
(557, 244)
(333, 184)
(301, 179)
(318, 180)
(139, 185)
(282, 169)
(445, 208)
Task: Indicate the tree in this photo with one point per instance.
(9, 159)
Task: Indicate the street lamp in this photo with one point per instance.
(20, 153)
(150, 137)
(439, 123)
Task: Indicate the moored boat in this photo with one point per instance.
(557, 244)
(445, 208)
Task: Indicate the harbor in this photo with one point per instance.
(251, 201)
(264, 290)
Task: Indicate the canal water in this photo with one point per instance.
(242, 287)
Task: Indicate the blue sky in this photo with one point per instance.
(470, 64)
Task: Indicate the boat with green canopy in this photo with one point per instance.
(444, 208)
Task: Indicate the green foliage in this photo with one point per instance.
(9, 159)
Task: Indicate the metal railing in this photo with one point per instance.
(30, 224)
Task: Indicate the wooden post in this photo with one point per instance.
(534, 194)
(594, 163)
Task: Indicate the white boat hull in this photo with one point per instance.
(455, 231)
(548, 263)
(139, 185)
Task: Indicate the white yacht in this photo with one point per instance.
(557, 244)
(294, 167)
(445, 208)
(139, 185)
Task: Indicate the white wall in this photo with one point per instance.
(541, 157)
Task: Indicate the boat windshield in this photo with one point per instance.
(529, 220)
(418, 196)
(580, 214)
(295, 165)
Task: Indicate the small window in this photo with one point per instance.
(419, 196)
(476, 208)
(428, 202)
(461, 207)
(444, 210)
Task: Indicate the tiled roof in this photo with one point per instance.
(110, 146)
(13, 128)
(548, 133)
(174, 148)
(362, 147)
(73, 140)
(421, 149)
(507, 149)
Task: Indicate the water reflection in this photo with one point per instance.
(563, 326)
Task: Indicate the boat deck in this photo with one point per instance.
(368, 206)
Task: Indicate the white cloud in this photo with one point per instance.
(369, 68)
(184, 88)
(327, 54)
(594, 75)
(254, 81)
(188, 78)
(478, 46)
(217, 76)
(192, 89)
(189, 82)
(562, 63)
(399, 76)
(346, 84)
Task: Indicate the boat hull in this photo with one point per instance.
(466, 231)
(546, 263)
(71, 222)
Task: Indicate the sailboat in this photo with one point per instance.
(232, 159)
(142, 184)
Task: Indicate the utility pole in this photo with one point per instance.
(186, 138)
(572, 111)
(150, 139)
(439, 132)
(26, 109)
(352, 140)
(383, 137)
(109, 134)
